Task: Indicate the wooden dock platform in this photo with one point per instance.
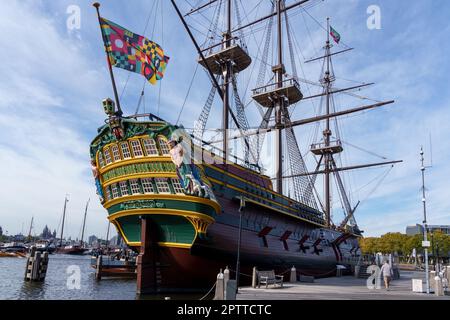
(340, 288)
(107, 268)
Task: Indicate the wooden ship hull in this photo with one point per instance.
(72, 250)
(197, 234)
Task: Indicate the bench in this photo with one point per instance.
(269, 277)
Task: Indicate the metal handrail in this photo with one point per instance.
(259, 90)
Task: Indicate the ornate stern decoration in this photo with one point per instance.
(147, 168)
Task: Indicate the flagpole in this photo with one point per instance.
(328, 29)
(111, 73)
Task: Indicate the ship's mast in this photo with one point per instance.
(327, 131)
(31, 228)
(279, 107)
(63, 220)
(84, 222)
(226, 71)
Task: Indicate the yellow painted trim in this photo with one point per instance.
(241, 179)
(180, 197)
(249, 193)
(251, 183)
(222, 161)
(284, 212)
(140, 175)
(170, 212)
(261, 204)
(139, 160)
(164, 244)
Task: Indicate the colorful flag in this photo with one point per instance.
(133, 52)
(336, 36)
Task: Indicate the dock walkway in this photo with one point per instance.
(340, 288)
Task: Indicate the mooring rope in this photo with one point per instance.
(210, 290)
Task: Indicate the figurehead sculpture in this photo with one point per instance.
(188, 173)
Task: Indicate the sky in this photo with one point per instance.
(54, 77)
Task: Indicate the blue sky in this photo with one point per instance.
(54, 80)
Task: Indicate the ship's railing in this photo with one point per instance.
(220, 46)
(291, 82)
(215, 151)
(322, 145)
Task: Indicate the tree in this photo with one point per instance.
(440, 242)
(403, 244)
(369, 245)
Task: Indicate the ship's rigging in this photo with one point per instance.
(224, 55)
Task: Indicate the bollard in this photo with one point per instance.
(417, 285)
(438, 288)
(226, 278)
(293, 277)
(219, 295)
(254, 275)
(432, 282)
(357, 268)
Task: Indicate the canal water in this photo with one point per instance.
(68, 278)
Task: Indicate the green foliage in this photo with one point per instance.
(404, 244)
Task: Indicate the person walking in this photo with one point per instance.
(386, 271)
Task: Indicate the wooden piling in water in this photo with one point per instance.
(98, 269)
(36, 267)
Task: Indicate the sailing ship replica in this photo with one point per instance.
(185, 204)
(74, 249)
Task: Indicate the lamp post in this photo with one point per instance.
(425, 243)
(238, 262)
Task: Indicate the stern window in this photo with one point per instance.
(162, 185)
(115, 153)
(100, 160)
(137, 148)
(125, 150)
(177, 186)
(108, 194)
(164, 146)
(147, 185)
(135, 187)
(124, 188)
(115, 191)
(150, 147)
(107, 156)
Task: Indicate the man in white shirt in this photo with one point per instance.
(386, 272)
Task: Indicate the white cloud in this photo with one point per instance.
(45, 104)
(50, 106)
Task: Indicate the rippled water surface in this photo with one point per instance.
(61, 280)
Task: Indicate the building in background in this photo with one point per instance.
(92, 239)
(418, 229)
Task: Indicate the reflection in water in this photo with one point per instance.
(57, 285)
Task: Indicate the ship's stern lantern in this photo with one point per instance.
(109, 106)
